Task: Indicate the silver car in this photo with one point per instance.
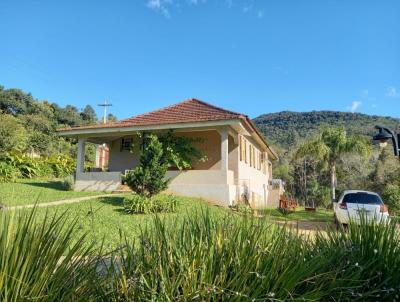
(354, 204)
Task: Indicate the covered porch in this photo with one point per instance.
(213, 179)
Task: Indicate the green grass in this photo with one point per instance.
(199, 253)
(105, 218)
(30, 191)
(300, 215)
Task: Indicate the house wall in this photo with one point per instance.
(253, 180)
(121, 160)
(209, 144)
(206, 184)
(206, 179)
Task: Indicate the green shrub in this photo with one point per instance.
(62, 165)
(391, 197)
(68, 183)
(242, 208)
(44, 260)
(8, 173)
(148, 178)
(138, 204)
(25, 166)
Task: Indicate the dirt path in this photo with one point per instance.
(307, 227)
(58, 202)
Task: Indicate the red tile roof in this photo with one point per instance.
(189, 111)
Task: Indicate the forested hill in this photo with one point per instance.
(286, 128)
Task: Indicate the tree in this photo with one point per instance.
(14, 101)
(12, 134)
(111, 118)
(148, 178)
(158, 154)
(178, 151)
(329, 146)
(89, 115)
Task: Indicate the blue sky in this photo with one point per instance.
(249, 56)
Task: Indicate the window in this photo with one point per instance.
(254, 157)
(242, 148)
(245, 151)
(262, 163)
(126, 144)
(251, 155)
(362, 198)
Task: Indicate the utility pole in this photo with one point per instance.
(100, 163)
(105, 105)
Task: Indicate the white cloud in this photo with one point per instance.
(354, 106)
(166, 7)
(392, 92)
(161, 6)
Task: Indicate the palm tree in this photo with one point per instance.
(330, 145)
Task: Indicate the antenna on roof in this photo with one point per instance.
(105, 105)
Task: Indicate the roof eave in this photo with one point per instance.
(261, 137)
(98, 131)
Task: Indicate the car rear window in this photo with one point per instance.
(362, 198)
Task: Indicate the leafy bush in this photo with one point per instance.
(138, 204)
(391, 197)
(242, 208)
(14, 165)
(62, 165)
(8, 173)
(68, 183)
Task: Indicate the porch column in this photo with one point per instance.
(224, 149)
(80, 161)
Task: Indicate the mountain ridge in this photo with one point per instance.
(288, 128)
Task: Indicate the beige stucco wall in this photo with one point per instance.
(209, 144)
(252, 181)
(97, 181)
(123, 160)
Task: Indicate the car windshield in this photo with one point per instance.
(362, 198)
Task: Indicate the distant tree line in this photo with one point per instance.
(287, 129)
(29, 125)
(29, 144)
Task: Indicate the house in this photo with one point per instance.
(239, 160)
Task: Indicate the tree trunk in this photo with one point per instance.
(333, 180)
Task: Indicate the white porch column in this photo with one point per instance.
(80, 161)
(224, 149)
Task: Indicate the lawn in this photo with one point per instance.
(30, 191)
(105, 218)
(300, 214)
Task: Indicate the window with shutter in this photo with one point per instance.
(241, 142)
(245, 151)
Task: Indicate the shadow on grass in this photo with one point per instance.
(115, 201)
(51, 184)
